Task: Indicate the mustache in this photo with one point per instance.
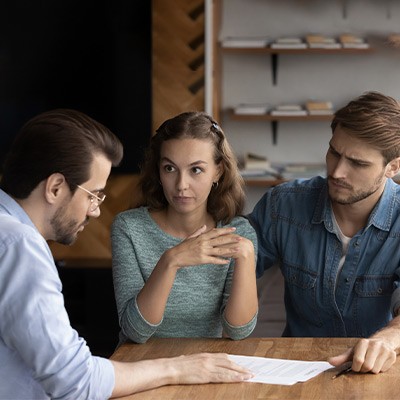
(339, 182)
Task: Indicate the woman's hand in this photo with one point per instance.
(212, 247)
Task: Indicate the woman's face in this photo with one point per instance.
(187, 173)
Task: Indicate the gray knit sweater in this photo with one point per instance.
(199, 294)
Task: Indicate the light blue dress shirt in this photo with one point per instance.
(41, 356)
(294, 226)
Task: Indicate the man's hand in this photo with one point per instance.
(368, 355)
(189, 369)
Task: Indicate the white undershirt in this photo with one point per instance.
(345, 242)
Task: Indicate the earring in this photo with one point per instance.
(215, 185)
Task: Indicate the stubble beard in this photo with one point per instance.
(360, 195)
(65, 231)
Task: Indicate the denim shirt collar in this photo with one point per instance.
(380, 217)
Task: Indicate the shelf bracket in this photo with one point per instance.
(274, 127)
(344, 8)
(274, 67)
(388, 9)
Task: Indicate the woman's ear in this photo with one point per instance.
(54, 186)
(220, 171)
(393, 168)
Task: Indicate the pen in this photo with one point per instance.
(342, 372)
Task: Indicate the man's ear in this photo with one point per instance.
(54, 186)
(393, 168)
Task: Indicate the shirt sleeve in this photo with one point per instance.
(243, 228)
(261, 218)
(128, 281)
(35, 324)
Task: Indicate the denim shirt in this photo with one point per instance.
(294, 226)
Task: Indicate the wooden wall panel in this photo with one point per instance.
(177, 57)
(177, 86)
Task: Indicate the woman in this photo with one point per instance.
(184, 262)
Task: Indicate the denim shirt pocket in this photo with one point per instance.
(371, 309)
(302, 289)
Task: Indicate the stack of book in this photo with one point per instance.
(394, 40)
(249, 42)
(289, 110)
(256, 165)
(289, 43)
(319, 107)
(322, 42)
(302, 170)
(350, 41)
(251, 109)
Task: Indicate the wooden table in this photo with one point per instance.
(353, 386)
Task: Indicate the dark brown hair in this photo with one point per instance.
(62, 141)
(226, 200)
(375, 119)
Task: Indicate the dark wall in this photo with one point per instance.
(94, 56)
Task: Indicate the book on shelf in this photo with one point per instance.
(251, 109)
(256, 161)
(245, 41)
(255, 165)
(299, 170)
(288, 110)
(260, 173)
(350, 41)
(319, 107)
(322, 42)
(394, 40)
(288, 43)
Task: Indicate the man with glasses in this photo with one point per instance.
(52, 183)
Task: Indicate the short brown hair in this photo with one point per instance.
(374, 118)
(227, 199)
(62, 141)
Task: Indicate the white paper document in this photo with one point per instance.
(278, 371)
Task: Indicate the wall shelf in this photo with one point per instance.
(274, 119)
(274, 53)
(263, 182)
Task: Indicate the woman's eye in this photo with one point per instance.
(169, 168)
(196, 170)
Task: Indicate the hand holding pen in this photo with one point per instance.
(342, 372)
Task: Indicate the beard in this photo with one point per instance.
(65, 229)
(357, 195)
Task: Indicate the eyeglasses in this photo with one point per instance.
(95, 201)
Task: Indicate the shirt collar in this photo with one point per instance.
(9, 206)
(380, 217)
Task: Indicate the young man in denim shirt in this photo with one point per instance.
(337, 239)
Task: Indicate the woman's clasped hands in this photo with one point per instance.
(215, 246)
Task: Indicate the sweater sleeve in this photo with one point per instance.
(243, 228)
(128, 280)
